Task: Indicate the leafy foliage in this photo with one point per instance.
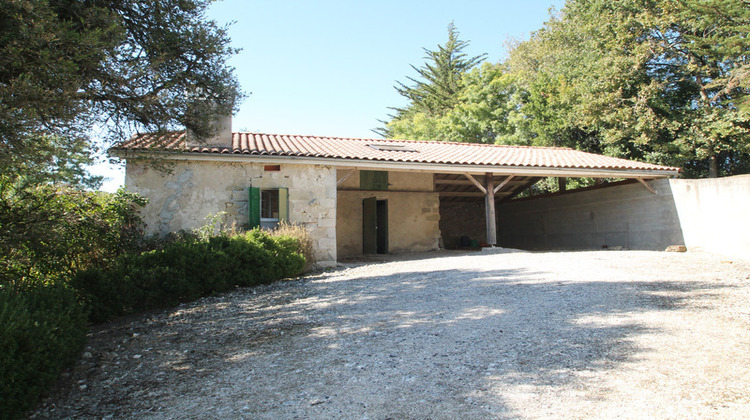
(67, 68)
(66, 252)
(300, 236)
(65, 65)
(186, 270)
(47, 233)
(42, 331)
(664, 81)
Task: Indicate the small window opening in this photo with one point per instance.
(269, 208)
(272, 168)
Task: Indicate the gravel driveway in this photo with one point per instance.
(498, 334)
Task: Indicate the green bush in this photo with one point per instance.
(185, 270)
(49, 232)
(42, 331)
(302, 237)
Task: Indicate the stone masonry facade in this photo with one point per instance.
(183, 193)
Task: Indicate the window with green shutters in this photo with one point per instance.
(373, 180)
(268, 206)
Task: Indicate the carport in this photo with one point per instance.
(478, 194)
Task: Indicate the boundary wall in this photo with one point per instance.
(711, 215)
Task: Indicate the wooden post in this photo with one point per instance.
(561, 184)
(489, 208)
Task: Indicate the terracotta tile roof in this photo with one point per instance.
(424, 152)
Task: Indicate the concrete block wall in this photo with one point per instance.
(627, 216)
(715, 214)
(182, 193)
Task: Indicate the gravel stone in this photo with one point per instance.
(444, 335)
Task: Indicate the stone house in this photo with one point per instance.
(354, 196)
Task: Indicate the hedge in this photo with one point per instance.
(186, 270)
(42, 331)
(43, 327)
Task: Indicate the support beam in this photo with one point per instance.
(489, 208)
(645, 184)
(475, 182)
(561, 184)
(504, 183)
(460, 194)
(453, 181)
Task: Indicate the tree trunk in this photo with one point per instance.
(713, 167)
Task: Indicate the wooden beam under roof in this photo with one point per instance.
(469, 194)
(475, 182)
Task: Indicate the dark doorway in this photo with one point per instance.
(374, 226)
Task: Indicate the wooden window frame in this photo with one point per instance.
(255, 208)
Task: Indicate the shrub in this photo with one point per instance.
(49, 232)
(302, 236)
(185, 270)
(42, 331)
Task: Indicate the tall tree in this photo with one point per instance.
(436, 89)
(483, 112)
(660, 80)
(705, 45)
(66, 65)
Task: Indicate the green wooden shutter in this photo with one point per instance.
(373, 180)
(365, 180)
(283, 204)
(254, 207)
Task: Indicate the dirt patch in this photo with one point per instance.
(443, 335)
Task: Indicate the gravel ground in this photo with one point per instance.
(496, 334)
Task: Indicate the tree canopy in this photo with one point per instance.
(124, 65)
(665, 81)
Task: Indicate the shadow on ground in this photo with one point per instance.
(419, 343)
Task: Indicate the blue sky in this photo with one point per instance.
(328, 67)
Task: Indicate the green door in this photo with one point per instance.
(382, 226)
(370, 226)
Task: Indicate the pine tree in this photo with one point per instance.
(125, 65)
(436, 89)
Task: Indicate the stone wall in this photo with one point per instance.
(627, 216)
(702, 214)
(459, 219)
(181, 194)
(413, 221)
(397, 181)
(413, 213)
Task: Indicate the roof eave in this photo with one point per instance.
(403, 166)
